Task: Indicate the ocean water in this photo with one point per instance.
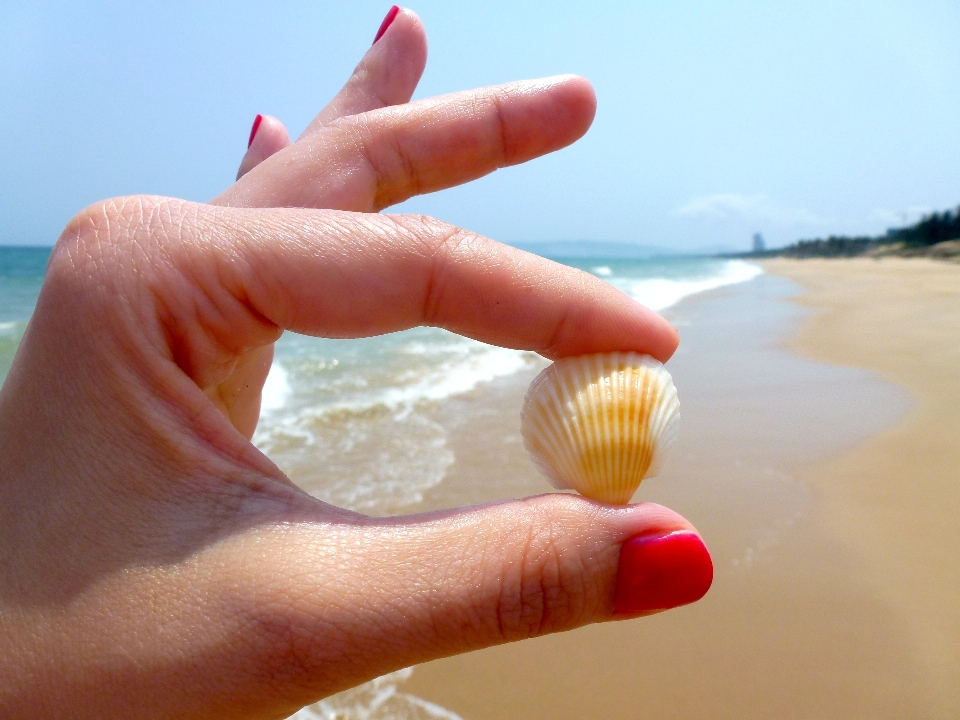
(349, 421)
(21, 274)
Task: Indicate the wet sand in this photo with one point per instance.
(821, 607)
(894, 501)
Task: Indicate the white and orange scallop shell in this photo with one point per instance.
(600, 424)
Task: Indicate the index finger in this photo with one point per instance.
(341, 274)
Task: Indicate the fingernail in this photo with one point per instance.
(662, 571)
(253, 130)
(391, 15)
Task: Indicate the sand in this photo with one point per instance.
(825, 482)
(894, 500)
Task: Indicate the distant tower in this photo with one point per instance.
(758, 244)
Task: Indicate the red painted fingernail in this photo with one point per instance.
(662, 571)
(391, 16)
(253, 130)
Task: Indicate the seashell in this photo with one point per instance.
(600, 424)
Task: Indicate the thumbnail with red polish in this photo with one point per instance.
(391, 16)
(657, 572)
(253, 131)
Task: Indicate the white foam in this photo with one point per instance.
(661, 293)
(477, 363)
(376, 700)
(372, 451)
(276, 389)
(472, 363)
(380, 463)
(602, 271)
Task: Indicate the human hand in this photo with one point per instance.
(154, 564)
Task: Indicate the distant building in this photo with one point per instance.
(758, 244)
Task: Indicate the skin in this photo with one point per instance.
(154, 563)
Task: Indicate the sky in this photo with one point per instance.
(715, 120)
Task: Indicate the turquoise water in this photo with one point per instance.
(21, 274)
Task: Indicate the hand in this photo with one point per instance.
(154, 564)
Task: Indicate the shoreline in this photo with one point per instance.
(894, 500)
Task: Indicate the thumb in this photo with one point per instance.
(413, 589)
(545, 564)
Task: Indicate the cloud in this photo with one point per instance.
(751, 208)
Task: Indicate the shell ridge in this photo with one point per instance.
(649, 394)
(574, 423)
(622, 425)
(636, 416)
(635, 411)
(544, 427)
(582, 376)
(614, 446)
(656, 424)
(560, 434)
(606, 403)
(668, 427)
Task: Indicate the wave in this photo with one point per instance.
(477, 363)
(372, 448)
(468, 363)
(376, 700)
(276, 389)
(661, 293)
(12, 329)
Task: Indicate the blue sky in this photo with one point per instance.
(715, 119)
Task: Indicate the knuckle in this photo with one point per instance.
(504, 147)
(548, 590)
(451, 244)
(395, 175)
(100, 238)
(295, 629)
(442, 247)
(450, 248)
(104, 265)
(279, 643)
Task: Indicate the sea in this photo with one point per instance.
(347, 420)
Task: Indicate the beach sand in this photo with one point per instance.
(894, 501)
(825, 484)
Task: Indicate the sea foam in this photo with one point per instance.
(376, 700)
(358, 434)
(276, 389)
(661, 293)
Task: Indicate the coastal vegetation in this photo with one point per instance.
(936, 235)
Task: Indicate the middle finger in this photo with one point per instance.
(376, 159)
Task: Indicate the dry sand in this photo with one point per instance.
(828, 497)
(895, 499)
